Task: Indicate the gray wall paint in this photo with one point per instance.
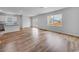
(20, 21)
(70, 21)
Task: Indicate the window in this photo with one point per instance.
(55, 20)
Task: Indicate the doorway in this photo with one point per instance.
(34, 22)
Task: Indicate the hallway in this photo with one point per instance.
(36, 40)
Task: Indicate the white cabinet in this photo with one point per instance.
(11, 28)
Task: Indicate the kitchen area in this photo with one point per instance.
(9, 23)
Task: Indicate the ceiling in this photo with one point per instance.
(28, 11)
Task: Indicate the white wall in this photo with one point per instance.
(26, 22)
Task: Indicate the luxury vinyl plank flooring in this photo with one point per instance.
(35, 40)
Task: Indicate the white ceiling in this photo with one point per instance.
(28, 11)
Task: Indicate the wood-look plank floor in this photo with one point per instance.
(35, 40)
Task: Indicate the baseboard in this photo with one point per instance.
(53, 31)
(59, 32)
